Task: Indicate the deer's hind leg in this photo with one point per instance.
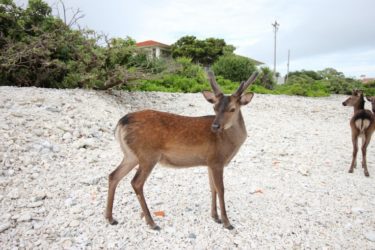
(355, 134)
(365, 142)
(144, 170)
(127, 164)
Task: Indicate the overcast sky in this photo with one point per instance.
(319, 33)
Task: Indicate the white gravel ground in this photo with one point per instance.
(57, 149)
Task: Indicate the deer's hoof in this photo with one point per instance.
(229, 227)
(350, 171)
(155, 227)
(367, 174)
(112, 222)
(217, 220)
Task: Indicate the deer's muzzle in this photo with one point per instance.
(215, 127)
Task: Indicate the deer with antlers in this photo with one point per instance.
(362, 125)
(148, 137)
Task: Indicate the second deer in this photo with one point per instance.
(362, 125)
(148, 137)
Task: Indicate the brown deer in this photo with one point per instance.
(362, 125)
(148, 137)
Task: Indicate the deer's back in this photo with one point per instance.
(177, 140)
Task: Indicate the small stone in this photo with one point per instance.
(35, 204)
(53, 109)
(91, 181)
(159, 175)
(358, 210)
(192, 236)
(67, 244)
(24, 217)
(74, 223)
(370, 236)
(14, 194)
(10, 172)
(34, 176)
(55, 148)
(38, 132)
(76, 210)
(67, 136)
(304, 172)
(39, 196)
(4, 227)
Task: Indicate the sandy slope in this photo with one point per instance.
(57, 149)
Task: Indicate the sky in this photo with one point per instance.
(319, 34)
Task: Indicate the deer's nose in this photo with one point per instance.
(215, 127)
(344, 103)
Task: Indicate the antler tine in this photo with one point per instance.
(244, 85)
(213, 83)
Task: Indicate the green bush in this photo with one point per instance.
(233, 67)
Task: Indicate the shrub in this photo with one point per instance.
(233, 67)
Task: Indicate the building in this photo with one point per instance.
(155, 49)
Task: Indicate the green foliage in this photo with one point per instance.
(369, 88)
(188, 77)
(37, 49)
(265, 78)
(203, 52)
(233, 67)
(306, 74)
(315, 89)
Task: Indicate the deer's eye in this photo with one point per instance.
(232, 110)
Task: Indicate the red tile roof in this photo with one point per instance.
(367, 80)
(151, 43)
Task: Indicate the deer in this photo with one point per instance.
(149, 137)
(362, 125)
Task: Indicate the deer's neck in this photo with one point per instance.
(237, 133)
(360, 106)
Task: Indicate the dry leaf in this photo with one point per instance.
(159, 213)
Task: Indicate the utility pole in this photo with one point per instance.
(275, 29)
(287, 67)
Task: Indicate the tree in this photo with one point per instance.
(205, 52)
(266, 78)
(38, 49)
(330, 73)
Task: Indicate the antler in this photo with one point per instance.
(244, 85)
(213, 83)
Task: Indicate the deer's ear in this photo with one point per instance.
(210, 97)
(246, 98)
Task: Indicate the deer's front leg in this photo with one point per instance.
(217, 177)
(214, 214)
